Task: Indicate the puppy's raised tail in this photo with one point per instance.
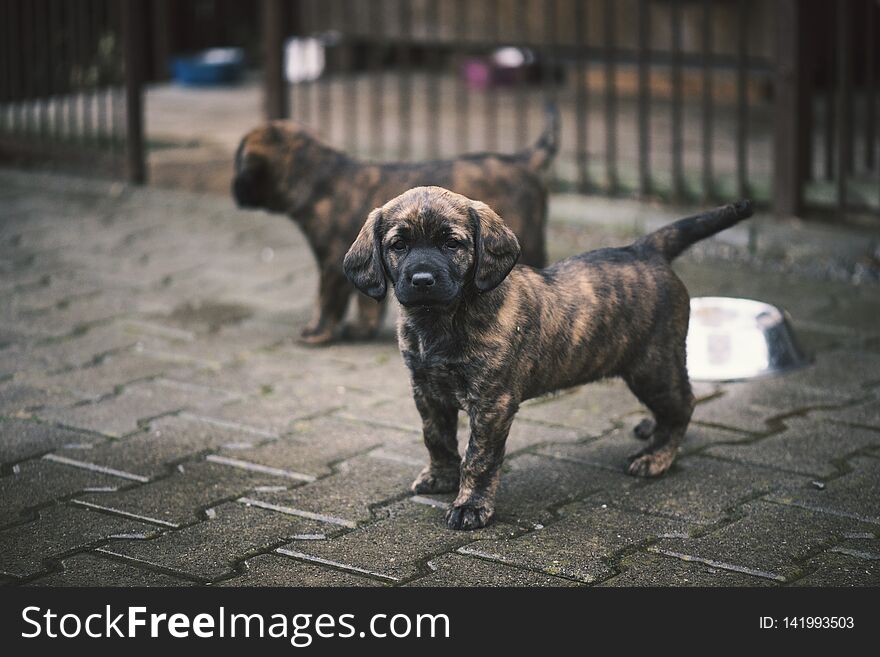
(539, 156)
(671, 240)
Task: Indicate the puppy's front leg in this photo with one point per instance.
(481, 470)
(439, 429)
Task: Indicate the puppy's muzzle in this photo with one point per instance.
(243, 191)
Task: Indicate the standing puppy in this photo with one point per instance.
(281, 167)
(482, 336)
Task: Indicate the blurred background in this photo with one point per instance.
(670, 100)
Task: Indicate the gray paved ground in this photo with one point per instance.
(158, 425)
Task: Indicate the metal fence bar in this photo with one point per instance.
(310, 87)
(644, 118)
(522, 105)
(742, 105)
(133, 16)
(377, 51)
(793, 106)
(678, 190)
(462, 119)
(610, 98)
(870, 83)
(844, 100)
(708, 104)
(432, 109)
(277, 100)
(582, 97)
(494, 33)
(404, 88)
(326, 120)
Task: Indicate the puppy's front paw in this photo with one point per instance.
(315, 336)
(436, 480)
(652, 464)
(468, 516)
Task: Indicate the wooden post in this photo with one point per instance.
(133, 17)
(276, 92)
(792, 110)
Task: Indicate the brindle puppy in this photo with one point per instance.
(482, 336)
(281, 167)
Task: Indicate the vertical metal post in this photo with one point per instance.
(277, 102)
(133, 21)
(404, 88)
(742, 106)
(708, 101)
(644, 43)
(462, 120)
(792, 110)
(844, 99)
(678, 188)
(581, 99)
(610, 97)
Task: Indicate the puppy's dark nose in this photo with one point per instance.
(422, 279)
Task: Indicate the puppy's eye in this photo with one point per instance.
(398, 245)
(452, 243)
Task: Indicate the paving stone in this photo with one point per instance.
(532, 486)
(114, 416)
(211, 548)
(399, 414)
(24, 439)
(394, 548)
(85, 347)
(703, 490)
(835, 569)
(866, 414)
(21, 399)
(461, 570)
(650, 569)
(167, 441)
(179, 499)
(92, 569)
(854, 495)
(770, 540)
(862, 545)
(277, 570)
(213, 350)
(59, 530)
(591, 409)
(36, 483)
(277, 412)
(102, 378)
(807, 446)
(346, 497)
(611, 451)
(751, 406)
(313, 446)
(581, 545)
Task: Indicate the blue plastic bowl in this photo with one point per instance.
(209, 67)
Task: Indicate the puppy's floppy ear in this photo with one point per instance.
(497, 248)
(363, 262)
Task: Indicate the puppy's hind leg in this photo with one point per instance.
(333, 295)
(666, 392)
(369, 319)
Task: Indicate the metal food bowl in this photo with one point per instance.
(735, 339)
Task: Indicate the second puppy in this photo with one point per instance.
(281, 167)
(482, 336)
